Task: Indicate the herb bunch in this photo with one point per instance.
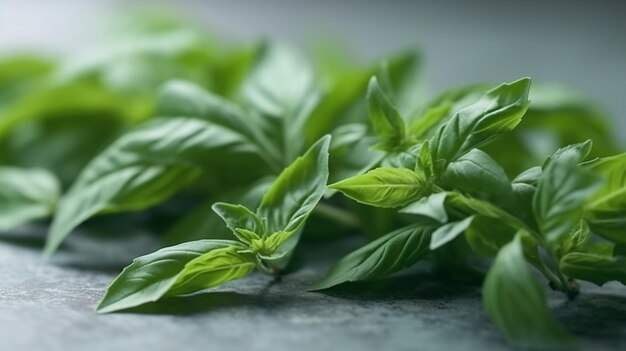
(169, 124)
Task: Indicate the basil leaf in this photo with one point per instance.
(486, 236)
(497, 112)
(612, 196)
(562, 190)
(424, 125)
(432, 206)
(471, 206)
(449, 232)
(144, 168)
(384, 187)
(155, 275)
(61, 128)
(25, 195)
(184, 99)
(212, 269)
(297, 190)
(606, 210)
(517, 304)
(593, 267)
(402, 78)
(380, 258)
(385, 119)
(238, 216)
(283, 108)
(477, 171)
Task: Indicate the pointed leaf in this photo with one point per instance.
(499, 111)
(449, 232)
(517, 304)
(380, 258)
(153, 276)
(384, 187)
(297, 190)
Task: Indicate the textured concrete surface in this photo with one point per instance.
(49, 306)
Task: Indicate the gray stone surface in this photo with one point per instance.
(49, 306)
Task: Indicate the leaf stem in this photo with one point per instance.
(338, 215)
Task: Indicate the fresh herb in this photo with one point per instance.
(265, 240)
(184, 134)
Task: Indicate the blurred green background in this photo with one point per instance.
(578, 43)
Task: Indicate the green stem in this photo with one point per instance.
(265, 269)
(338, 215)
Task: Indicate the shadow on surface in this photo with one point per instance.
(403, 287)
(210, 301)
(597, 315)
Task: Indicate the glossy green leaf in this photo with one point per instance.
(297, 190)
(388, 254)
(384, 187)
(238, 216)
(606, 210)
(561, 192)
(26, 195)
(144, 168)
(449, 232)
(497, 112)
(612, 196)
(432, 206)
(203, 264)
(477, 171)
(470, 206)
(517, 304)
(593, 267)
(212, 268)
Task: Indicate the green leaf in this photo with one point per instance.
(61, 128)
(432, 206)
(424, 125)
(146, 167)
(449, 232)
(593, 267)
(212, 269)
(477, 171)
(497, 112)
(282, 90)
(561, 192)
(238, 217)
(184, 99)
(424, 163)
(469, 205)
(606, 210)
(486, 236)
(297, 190)
(25, 195)
(380, 258)
(386, 121)
(612, 196)
(517, 304)
(384, 187)
(175, 270)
